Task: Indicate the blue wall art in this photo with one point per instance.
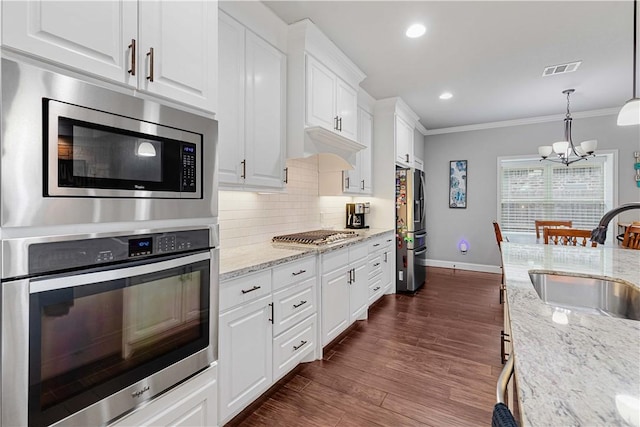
(458, 184)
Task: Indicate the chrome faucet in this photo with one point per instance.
(599, 234)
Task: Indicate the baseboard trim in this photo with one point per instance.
(464, 266)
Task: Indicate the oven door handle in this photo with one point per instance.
(117, 273)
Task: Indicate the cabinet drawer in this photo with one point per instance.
(293, 272)
(292, 346)
(357, 252)
(375, 245)
(375, 265)
(333, 260)
(244, 289)
(293, 304)
(375, 290)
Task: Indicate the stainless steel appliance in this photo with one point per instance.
(315, 237)
(355, 213)
(68, 145)
(94, 325)
(411, 248)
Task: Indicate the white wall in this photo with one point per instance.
(481, 148)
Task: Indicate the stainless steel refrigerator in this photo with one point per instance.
(411, 247)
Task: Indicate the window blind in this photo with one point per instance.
(532, 190)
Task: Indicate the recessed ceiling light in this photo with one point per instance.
(446, 95)
(416, 30)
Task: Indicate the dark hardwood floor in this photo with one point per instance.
(431, 359)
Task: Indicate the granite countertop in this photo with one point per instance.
(587, 371)
(247, 259)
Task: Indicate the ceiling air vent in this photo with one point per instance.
(561, 69)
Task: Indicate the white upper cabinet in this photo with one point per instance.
(178, 50)
(166, 48)
(331, 103)
(251, 133)
(404, 142)
(358, 180)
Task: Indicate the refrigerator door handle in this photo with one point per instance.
(422, 200)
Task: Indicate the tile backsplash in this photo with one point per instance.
(248, 217)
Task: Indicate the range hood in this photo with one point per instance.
(335, 152)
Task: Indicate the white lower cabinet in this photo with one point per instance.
(381, 266)
(192, 403)
(245, 355)
(267, 327)
(344, 283)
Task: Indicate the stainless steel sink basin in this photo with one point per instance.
(596, 296)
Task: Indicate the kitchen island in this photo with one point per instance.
(572, 368)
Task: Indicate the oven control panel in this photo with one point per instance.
(55, 256)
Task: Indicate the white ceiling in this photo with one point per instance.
(489, 54)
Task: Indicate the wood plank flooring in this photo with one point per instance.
(431, 359)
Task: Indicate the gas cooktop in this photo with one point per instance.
(315, 237)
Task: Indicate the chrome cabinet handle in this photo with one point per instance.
(376, 245)
(297, 347)
(362, 188)
(354, 274)
(286, 175)
(271, 305)
(340, 124)
(303, 302)
(502, 289)
(244, 169)
(299, 272)
(376, 264)
(407, 158)
(335, 126)
(255, 288)
(385, 257)
(348, 182)
(132, 47)
(150, 55)
(377, 288)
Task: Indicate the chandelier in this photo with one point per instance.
(566, 152)
(630, 112)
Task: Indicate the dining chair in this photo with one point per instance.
(631, 237)
(567, 236)
(551, 224)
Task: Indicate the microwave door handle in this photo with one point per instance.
(36, 286)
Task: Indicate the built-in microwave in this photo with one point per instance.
(94, 153)
(80, 151)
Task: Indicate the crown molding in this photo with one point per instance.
(521, 122)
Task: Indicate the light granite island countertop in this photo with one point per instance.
(579, 369)
(247, 259)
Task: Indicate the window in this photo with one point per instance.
(530, 190)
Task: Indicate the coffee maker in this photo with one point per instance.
(356, 213)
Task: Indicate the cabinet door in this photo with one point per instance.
(264, 113)
(358, 289)
(231, 109)
(245, 347)
(365, 137)
(321, 95)
(387, 264)
(404, 142)
(184, 39)
(335, 304)
(91, 37)
(347, 110)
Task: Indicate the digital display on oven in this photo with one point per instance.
(138, 247)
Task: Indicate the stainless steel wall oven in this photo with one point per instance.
(69, 145)
(92, 326)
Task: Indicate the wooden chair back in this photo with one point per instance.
(551, 224)
(631, 237)
(567, 236)
(499, 238)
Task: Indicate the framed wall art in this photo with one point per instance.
(458, 184)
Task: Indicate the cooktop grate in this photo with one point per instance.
(315, 237)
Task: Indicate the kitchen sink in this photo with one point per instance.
(603, 297)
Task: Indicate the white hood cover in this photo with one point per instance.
(335, 152)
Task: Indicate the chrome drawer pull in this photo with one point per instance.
(376, 264)
(255, 288)
(377, 244)
(296, 347)
(376, 289)
(299, 305)
(299, 272)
